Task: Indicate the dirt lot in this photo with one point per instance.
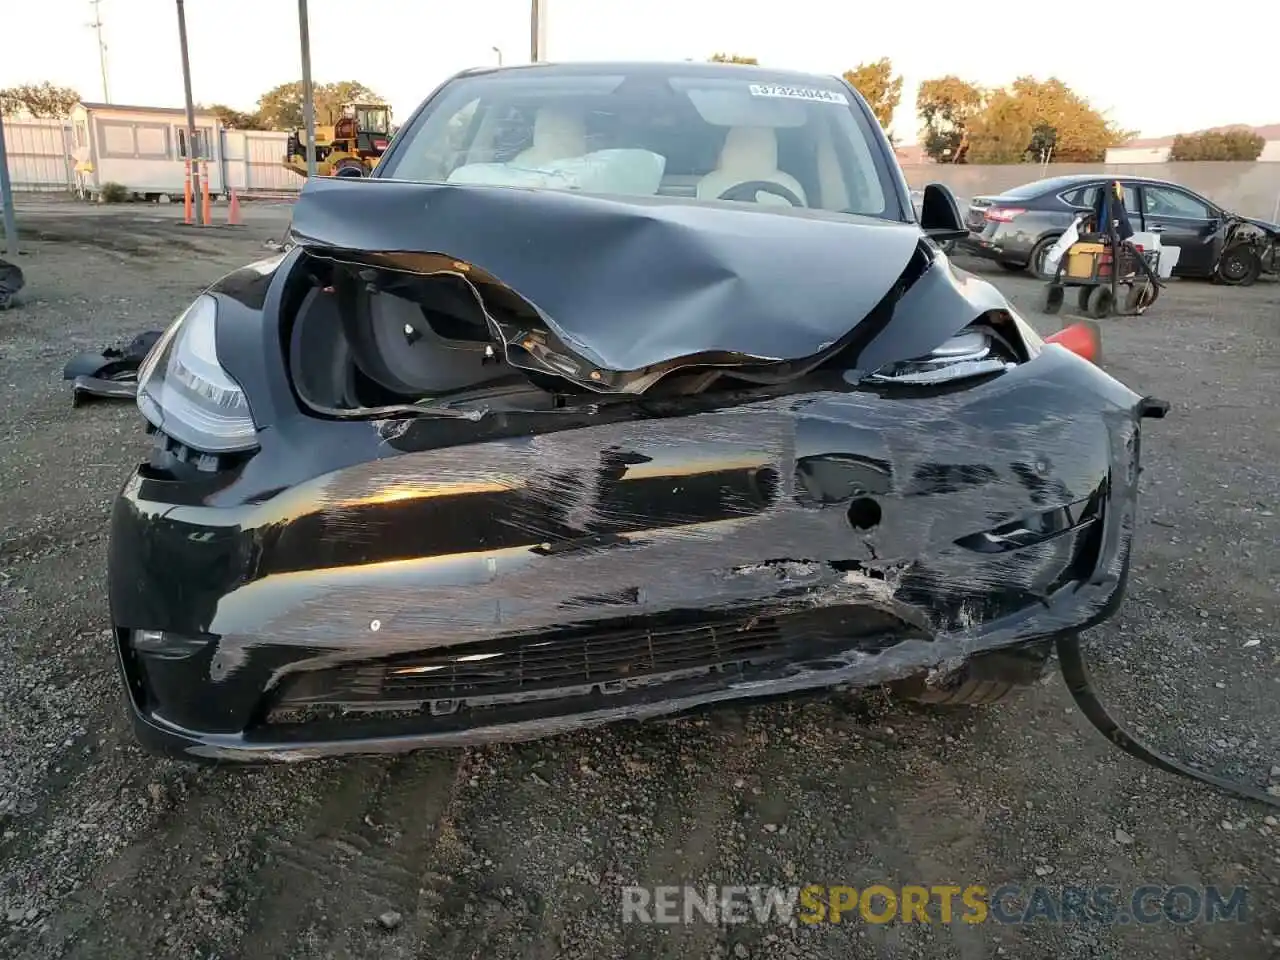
(520, 851)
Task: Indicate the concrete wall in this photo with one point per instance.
(1249, 189)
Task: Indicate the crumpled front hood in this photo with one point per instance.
(635, 282)
(1268, 226)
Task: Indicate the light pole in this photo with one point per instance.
(102, 48)
(498, 54)
(308, 100)
(191, 110)
(6, 200)
(537, 30)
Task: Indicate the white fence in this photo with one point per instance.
(249, 161)
(39, 153)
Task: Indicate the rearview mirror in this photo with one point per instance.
(940, 214)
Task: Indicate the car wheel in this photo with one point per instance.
(1038, 254)
(1082, 298)
(984, 679)
(968, 692)
(1239, 266)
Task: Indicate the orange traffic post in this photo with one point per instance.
(1084, 339)
(233, 212)
(207, 206)
(186, 197)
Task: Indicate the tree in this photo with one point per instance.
(946, 106)
(38, 100)
(878, 86)
(733, 58)
(1027, 121)
(1234, 143)
(235, 119)
(1002, 132)
(280, 108)
(1062, 118)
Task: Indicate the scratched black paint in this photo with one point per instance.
(352, 549)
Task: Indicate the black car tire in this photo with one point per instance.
(986, 678)
(966, 692)
(1038, 253)
(1239, 266)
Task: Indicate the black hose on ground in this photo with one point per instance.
(1077, 678)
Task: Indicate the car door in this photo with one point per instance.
(1183, 220)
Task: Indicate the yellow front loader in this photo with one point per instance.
(349, 147)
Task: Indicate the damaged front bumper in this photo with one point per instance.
(518, 588)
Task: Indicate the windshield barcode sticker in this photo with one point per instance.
(798, 93)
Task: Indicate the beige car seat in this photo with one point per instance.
(749, 153)
(557, 135)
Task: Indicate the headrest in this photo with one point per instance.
(558, 134)
(750, 150)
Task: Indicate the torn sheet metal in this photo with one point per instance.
(111, 374)
(85, 390)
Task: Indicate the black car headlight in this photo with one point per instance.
(185, 393)
(975, 351)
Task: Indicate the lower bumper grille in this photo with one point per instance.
(603, 658)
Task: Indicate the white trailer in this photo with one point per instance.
(144, 149)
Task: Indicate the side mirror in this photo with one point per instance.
(940, 214)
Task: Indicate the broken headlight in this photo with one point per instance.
(975, 351)
(184, 392)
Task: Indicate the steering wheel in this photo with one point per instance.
(747, 190)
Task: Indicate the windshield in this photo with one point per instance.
(695, 136)
(372, 120)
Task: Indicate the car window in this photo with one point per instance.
(1083, 196)
(1088, 196)
(692, 136)
(1167, 202)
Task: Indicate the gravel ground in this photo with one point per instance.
(520, 851)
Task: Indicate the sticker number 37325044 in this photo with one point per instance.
(797, 93)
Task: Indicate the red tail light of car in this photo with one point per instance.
(1002, 214)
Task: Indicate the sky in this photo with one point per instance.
(1201, 72)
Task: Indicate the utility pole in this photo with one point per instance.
(308, 98)
(6, 200)
(102, 48)
(191, 109)
(537, 30)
